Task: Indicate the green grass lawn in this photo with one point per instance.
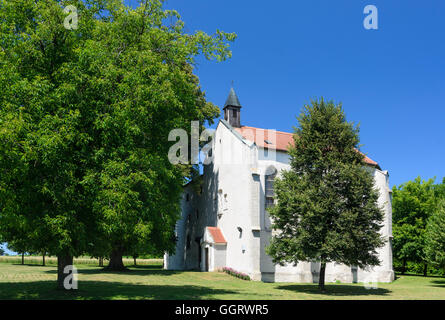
(151, 282)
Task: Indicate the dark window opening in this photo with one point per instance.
(189, 242)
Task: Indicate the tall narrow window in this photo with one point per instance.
(271, 173)
(189, 242)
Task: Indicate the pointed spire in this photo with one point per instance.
(232, 109)
(232, 99)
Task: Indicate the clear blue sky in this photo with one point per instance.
(390, 80)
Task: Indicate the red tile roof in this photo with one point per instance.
(280, 142)
(216, 235)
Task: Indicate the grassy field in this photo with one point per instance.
(151, 282)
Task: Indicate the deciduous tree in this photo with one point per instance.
(412, 205)
(435, 229)
(84, 120)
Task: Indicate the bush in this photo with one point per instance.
(235, 273)
(417, 268)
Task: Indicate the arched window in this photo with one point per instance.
(271, 174)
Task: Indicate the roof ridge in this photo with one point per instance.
(282, 132)
(286, 140)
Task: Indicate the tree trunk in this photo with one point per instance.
(404, 266)
(425, 269)
(62, 262)
(116, 263)
(134, 258)
(43, 258)
(101, 262)
(322, 276)
(23, 259)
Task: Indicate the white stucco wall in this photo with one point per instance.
(233, 162)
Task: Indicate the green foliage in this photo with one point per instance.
(326, 204)
(435, 236)
(417, 268)
(84, 120)
(413, 203)
(20, 245)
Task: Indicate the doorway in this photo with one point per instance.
(207, 259)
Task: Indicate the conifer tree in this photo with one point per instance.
(326, 205)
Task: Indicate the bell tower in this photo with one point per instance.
(232, 109)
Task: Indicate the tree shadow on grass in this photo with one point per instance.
(337, 290)
(32, 265)
(99, 290)
(140, 271)
(438, 283)
(146, 266)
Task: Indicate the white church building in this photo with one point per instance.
(224, 220)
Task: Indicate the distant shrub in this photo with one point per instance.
(235, 273)
(417, 268)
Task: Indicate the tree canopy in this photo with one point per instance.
(435, 236)
(326, 205)
(413, 202)
(84, 121)
(417, 211)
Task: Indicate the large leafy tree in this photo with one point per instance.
(326, 203)
(84, 122)
(439, 191)
(435, 236)
(413, 203)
